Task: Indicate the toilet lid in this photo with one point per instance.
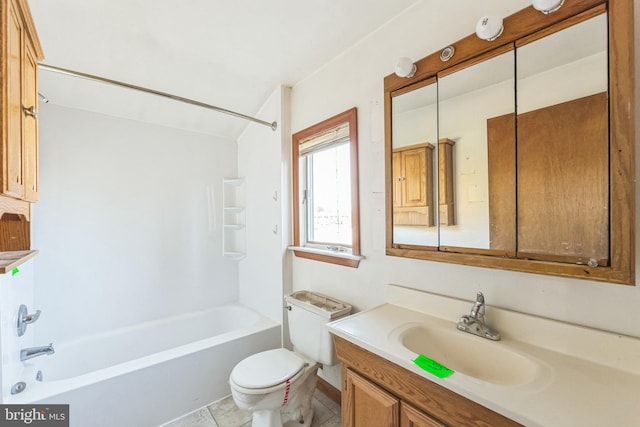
(267, 369)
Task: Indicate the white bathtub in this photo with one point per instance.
(152, 373)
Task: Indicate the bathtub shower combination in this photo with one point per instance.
(151, 373)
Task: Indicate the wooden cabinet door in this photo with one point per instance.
(412, 417)
(30, 123)
(12, 146)
(398, 179)
(414, 165)
(563, 182)
(21, 52)
(413, 185)
(554, 205)
(367, 405)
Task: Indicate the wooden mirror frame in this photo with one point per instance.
(621, 139)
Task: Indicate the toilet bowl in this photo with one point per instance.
(277, 385)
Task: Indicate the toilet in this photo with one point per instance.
(277, 385)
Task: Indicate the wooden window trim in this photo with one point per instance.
(354, 258)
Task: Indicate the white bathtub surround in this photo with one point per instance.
(125, 227)
(149, 374)
(578, 376)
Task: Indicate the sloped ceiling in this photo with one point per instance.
(229, 53)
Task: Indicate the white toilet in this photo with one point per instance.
(278, 385)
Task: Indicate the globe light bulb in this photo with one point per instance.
(489, 27)
(547, 6)
(405, 67)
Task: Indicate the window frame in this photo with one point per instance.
(299, 246)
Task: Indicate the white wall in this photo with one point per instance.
(123, 224)
(356, 79)
(262, 272)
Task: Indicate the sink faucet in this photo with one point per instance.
(30, 353)
(474, 323)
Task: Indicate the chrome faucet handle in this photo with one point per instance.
(24, 319)
(477, 310)
(30, 318)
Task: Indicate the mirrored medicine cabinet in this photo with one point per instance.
(518, 153)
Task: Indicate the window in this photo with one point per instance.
(325, 191)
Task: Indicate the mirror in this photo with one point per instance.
(532, 165)
(563, 145)
(467, 98)
(415, 135)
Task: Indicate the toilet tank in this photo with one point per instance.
(309, 313)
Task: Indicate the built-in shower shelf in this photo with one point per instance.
(234, 243)
(11, 260)
(234, 209)
(234, 255)
(234, 226)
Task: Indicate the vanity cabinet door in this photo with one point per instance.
(364, 404)
(412, 417)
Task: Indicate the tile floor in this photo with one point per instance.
(224, 413)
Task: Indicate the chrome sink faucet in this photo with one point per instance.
(474, 323)
(30, 353)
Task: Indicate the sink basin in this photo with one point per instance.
(485, 360)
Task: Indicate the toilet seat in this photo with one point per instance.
(267, 371)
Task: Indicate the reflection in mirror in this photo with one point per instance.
(562, 154)
(414, 136)
(468, 97)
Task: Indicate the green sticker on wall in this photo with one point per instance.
(15, 271)
(432, 366)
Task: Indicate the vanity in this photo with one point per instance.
(540, 373)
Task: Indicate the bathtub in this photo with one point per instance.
(151, 373)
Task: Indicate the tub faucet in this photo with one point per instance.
(30, 353)
(474, 323)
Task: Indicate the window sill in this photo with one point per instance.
(332, 257)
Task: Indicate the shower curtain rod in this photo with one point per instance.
(272, 125)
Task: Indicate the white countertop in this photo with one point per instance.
(585, 377)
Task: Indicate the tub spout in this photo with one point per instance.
(30, 353)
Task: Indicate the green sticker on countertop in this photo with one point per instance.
(15, 271)
(433, 367)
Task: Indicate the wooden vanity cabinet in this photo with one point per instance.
(20, 52)
(366, 404)
(379, 393)
(413, 185)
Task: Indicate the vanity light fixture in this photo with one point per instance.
(489, 27)
(547, 6)
(405, 67)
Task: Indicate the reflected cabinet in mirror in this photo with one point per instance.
(519, 153)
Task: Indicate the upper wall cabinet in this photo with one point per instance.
(20, 54)
(534, 165)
